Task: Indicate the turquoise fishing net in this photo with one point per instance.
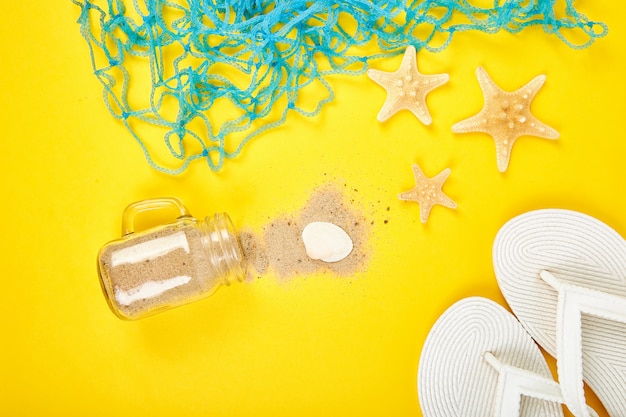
(198, 79)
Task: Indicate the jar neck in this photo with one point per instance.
(222, 248)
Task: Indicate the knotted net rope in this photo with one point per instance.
(200, 78)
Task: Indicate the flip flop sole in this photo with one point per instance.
(576, 249)
(453, 378)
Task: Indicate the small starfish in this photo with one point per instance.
(407, 88)
(427, 192)
(506, 116)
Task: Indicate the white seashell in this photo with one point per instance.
(326, 241)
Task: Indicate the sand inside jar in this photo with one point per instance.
(156, 270)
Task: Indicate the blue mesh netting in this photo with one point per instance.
(167, 65)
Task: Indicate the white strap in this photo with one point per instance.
(573, 301)
(514, 382)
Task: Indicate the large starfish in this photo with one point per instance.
(407, 88)
(427, 192)
(506, 116)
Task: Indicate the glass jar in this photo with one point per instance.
(166, 266)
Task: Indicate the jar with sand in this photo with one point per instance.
(166, 266)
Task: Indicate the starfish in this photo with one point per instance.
(506, 116)
(427, 192)
(407, 88)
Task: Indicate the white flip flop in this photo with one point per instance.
(478, 361)
(563, 274)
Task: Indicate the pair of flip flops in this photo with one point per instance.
(563, 274)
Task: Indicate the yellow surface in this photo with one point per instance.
(311, 346)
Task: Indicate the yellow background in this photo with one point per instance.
(311, 346)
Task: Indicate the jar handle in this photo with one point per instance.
(130, 212)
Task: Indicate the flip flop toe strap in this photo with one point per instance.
(573, 302)
(514, 382)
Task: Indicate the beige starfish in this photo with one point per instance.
(506, 116)
(427, 192)
(407, 88)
